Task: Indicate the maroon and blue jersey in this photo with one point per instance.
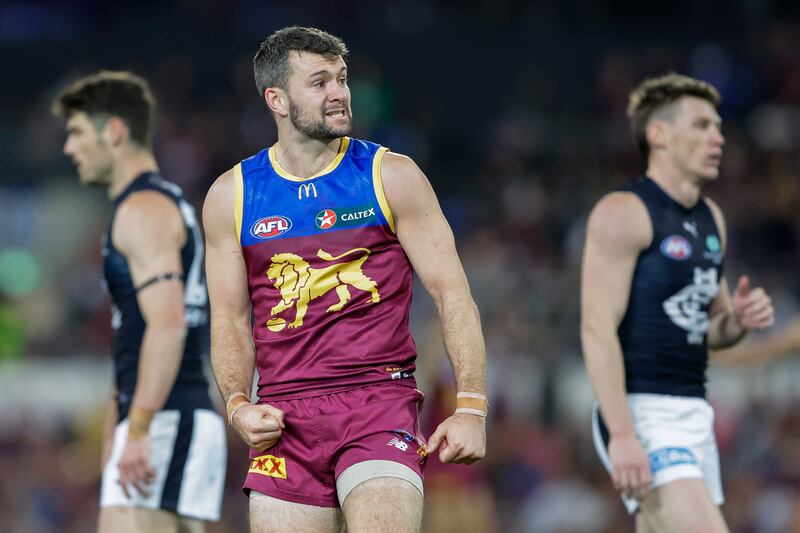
(329, 283)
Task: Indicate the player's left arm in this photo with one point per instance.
(150, 233)
(430, 246)
(732, 316)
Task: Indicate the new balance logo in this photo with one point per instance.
(306, 190)
(397, 443)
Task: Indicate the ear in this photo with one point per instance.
(657, 132)
(115, 131)
(277, 101)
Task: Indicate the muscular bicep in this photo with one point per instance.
(421, 227)
(617, 231)
(150, 233)
(226, 273)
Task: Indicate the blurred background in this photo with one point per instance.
(516, 112)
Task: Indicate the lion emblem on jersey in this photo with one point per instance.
(300, 284)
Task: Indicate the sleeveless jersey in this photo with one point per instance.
(329, 283)
(663, 332)
(191, 386)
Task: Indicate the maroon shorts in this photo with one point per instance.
(326, 434)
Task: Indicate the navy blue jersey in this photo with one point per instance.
(191, 386)
(663, 333)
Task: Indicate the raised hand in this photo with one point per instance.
(752, 307)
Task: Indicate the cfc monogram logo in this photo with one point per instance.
(299, 283)
(268, 465)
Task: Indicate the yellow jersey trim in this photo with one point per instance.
(343, 144)
(238, 200)
(377, 183)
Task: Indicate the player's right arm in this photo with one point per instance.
(232, 352)
(619, 228)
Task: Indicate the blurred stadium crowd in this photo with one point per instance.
(516, 112)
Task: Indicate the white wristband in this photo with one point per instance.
(470, 411)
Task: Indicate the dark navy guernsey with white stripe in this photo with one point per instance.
(663, 332)
(190, 390)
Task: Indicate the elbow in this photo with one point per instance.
(588, 331)
(172, 326)
(592, 333)
(455, 299)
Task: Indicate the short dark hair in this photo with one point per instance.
(271, 62)
(653, 94)
(108, 93)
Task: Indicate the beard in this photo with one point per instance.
(315, 127)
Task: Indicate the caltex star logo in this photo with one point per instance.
(326, 219)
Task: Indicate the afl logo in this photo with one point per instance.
(676, 247)
(326, 219)
(269, 227)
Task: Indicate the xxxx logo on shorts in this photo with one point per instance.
(268, 465)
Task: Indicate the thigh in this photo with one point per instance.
(383, 438)
(383, 504)
(271, 515)
(683, 505)
(191, 525)
(118, 519)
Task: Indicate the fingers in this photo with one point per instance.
(136, 474)
(630, 467)
(259, 426)
(262, 441)
(763, 318)
(273, 412)
(633, 481)
(743, 287)
(435, 440)
(460, 439)
(447, 452)
(264, 424)
(757, 312)
(757, 298)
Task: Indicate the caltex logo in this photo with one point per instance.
(326, 219)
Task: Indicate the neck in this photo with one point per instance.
(681, 187)
(128, 167)
(304, 157)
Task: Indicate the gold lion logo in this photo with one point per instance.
(299, 283)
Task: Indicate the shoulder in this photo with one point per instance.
(148, 208)
(400, 174)
(621, 218)
(406, 187)
(222, 188)
(719, 218)
(147, 216)
(219, 202)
